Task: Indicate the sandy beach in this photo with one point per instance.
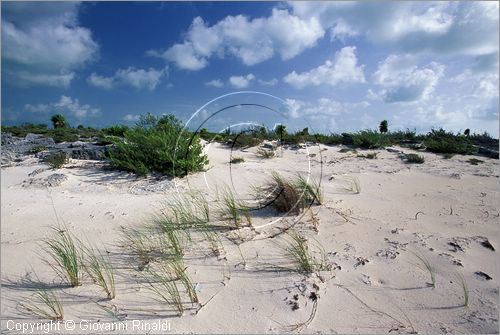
(380, 222)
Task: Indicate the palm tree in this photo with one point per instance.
(59, 121)
(383, 127)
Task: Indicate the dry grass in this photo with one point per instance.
(44, 304)
(99, 268)
(66, 254)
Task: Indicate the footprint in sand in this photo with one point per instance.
(109, 215)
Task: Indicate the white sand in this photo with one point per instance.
(377, 284)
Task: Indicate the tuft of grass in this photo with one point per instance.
(51, 308)
(299, 254)
(163, 284)
(310, 190)
(475, 161)
(66, 254)
(234, 210)
(100, 270)
(465, 289)
(281, 194)
(263, 153)
(56, 160)
(354, 185)
(179, 269)
(414, 158)
(236, 160)
(140, 245)
(173, 236)
(427, 266)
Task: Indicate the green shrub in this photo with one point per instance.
(368, 139)
(56, 160)
(414, 158)
(63, 135)
(237, 160)
(116, 130)
(158, 145)
(440, 141)
(38, 148)
(370, 155)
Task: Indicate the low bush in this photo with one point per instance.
(440, 141)
(158, 145)
(414, 159)
(56, 160)
(368, 139)
(475, 161)
(38, 148)
(236, 160)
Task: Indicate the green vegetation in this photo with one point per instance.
(59, 121)
(310, 191)
(383, 127)
(414, 158)
(56, 160)
(100, 270)
(45, 305)
(440, 141)
(233, 210)
(299, 253)
(66, 255)
(38, 148)
(236, 160)
(368, 139)
(370, 155)
(158, 145)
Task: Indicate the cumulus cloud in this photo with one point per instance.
(271, 82)
(343, 68)
(137, 78)
(469, 28)
(324, 107)
(250, 40)
(99, 81)
(214, 83)
(45, 43)
(404, 81)
(241, 81)
(65, 105)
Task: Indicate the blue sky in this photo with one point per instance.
(333, 66)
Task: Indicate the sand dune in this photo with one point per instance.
(381, 220)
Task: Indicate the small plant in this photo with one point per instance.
(233, 209)
(38, 148)
(163, 284)
(66, 255)
(298, 252)
(427, 266)
(475, 161)
(263, 153)
(310, 191)
(56, 160)
(173, 236)
(353, 186)
(465, 289)
(236, 160)
(281, 194)
(51, 308)
(100, 270)
(414, 159)
(179, 269)
(141, 246)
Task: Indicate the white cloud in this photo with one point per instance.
(271, 82)
(241, 81)
(46, 44)
(137, 78)
(469, 27)
(343, 68)
(404, 81)
(251, 40)
(323, 107)
(100, 81)
(29, 78)
(40, 108)
(65, 105)
(131, 117)
(140, 78)
(215, 83)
